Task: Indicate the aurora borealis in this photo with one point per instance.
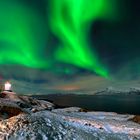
(24, 33)
(71, 21)
(69, 37)
(22, 36)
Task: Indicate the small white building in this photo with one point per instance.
(7, 86)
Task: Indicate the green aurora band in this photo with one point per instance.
(24, 34)
(70, 22)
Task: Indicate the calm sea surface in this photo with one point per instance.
(116, 103)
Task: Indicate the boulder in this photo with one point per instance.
(12, 104)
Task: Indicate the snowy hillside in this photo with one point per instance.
(25, 118)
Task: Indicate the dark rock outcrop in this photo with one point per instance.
(12, 104)
(136, 119)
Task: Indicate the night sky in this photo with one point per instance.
(57, 41)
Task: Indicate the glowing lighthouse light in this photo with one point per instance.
(7, 86)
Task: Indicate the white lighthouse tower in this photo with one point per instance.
(7, 86)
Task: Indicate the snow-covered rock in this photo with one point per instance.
(114, 91)
(13, 104)
(35, 121)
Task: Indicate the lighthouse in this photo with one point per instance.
(7, 86)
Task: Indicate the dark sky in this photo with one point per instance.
(117, 44)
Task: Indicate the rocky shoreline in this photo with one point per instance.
(26, 118)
